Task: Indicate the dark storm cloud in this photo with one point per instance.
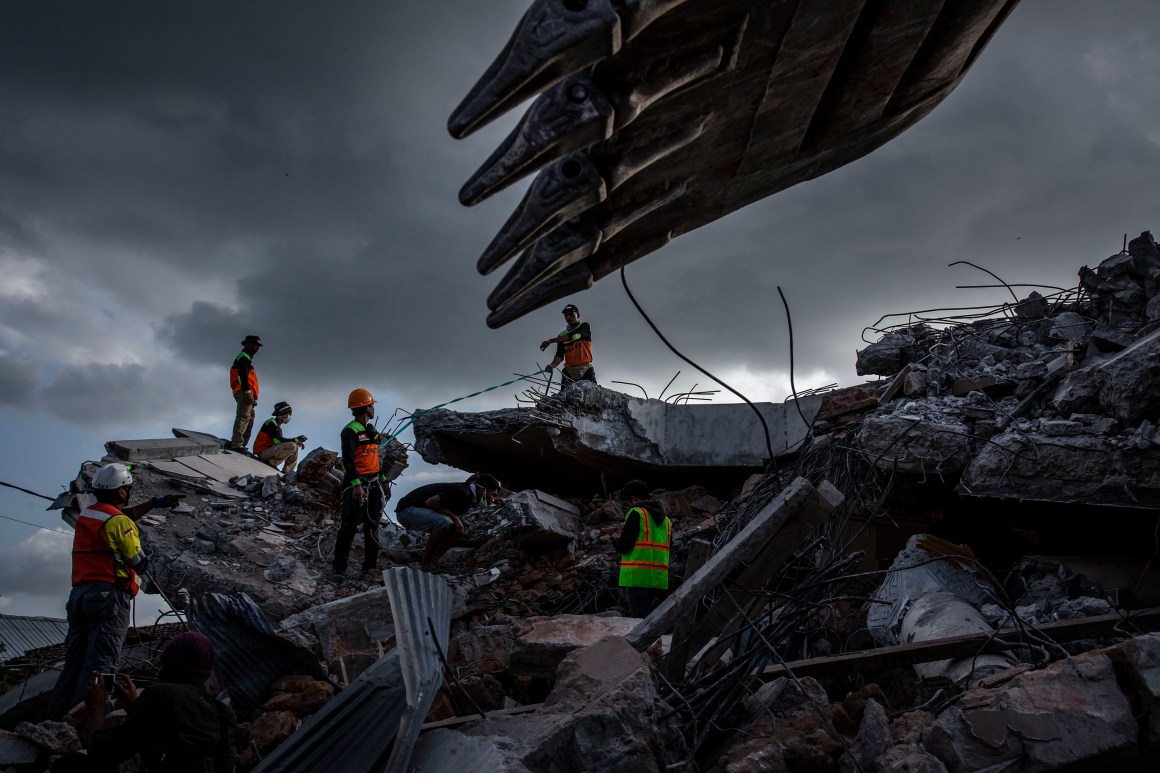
(297, 156)
(18, 379)
(99, 394)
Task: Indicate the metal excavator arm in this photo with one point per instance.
(655, 117)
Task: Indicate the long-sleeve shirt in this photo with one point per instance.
(174, 726)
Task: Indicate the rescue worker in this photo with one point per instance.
(362, 484)
(271, 447)
(244, 383)
(573, 348)
(644, 549)
(175, 725)
(437, 509)
(106, 563)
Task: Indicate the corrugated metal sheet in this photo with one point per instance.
(249, 653)
(354, 732)
(21, 634)
(421, 607)
(373, 724)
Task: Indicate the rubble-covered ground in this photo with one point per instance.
(956, 573)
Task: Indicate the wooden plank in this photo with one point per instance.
(750, 541)
(964, 646)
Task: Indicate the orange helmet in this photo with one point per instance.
(359, 398)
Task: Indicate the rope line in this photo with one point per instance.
(421, 411)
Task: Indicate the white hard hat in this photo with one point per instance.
(113, 476)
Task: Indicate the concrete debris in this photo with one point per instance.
(949, 569)
(569, 440)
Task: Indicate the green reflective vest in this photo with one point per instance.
(647, 566)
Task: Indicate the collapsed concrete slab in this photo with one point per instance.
(571, 440)
(1074, 468)
(539, 651)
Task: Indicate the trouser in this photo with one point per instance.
(577, 373)
(352, 515)
(243, 420)
(285, 454)
(642, 601)
(98, 616)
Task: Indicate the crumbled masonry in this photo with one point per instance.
(950, 568)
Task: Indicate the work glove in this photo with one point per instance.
(358, 494)
(169, 500)
(300, 440)
(548, 368)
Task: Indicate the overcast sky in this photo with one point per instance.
(174, 176)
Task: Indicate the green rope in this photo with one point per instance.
(417, 413)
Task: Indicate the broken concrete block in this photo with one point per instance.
(914, 444)
(17, 753)
(887, 356)
(1077, 392)
(544, 521)
(786, 698)
(872, 741)
(485, 648)
(1070, 715)
(1086, 468)
(1129, 382)
(539, 651)
(1067, 326)
(1138, 663)
(53, 737)
(161, 448)
(604, 714)
(272, 728)
(1034, 306)
(1060, 427)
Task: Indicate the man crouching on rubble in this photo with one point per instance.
(644, 549)
(437, 509)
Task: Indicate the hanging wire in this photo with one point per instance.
(673, 349)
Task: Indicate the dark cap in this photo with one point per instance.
(282, 408)
(570, 307)
(188, 657)
(252, 340)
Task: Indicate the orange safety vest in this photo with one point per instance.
(93, 558)
(576, 351)
(366, 450)
(647, 566)
(264, 439)
(251, 384)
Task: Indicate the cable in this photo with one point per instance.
(38, 526)
(673, 349)
(26, 491)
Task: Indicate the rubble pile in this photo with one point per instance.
(1052, 399)
(825, 614)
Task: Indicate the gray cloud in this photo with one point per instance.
(100, 395)
(289, 170)
(18, 379)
